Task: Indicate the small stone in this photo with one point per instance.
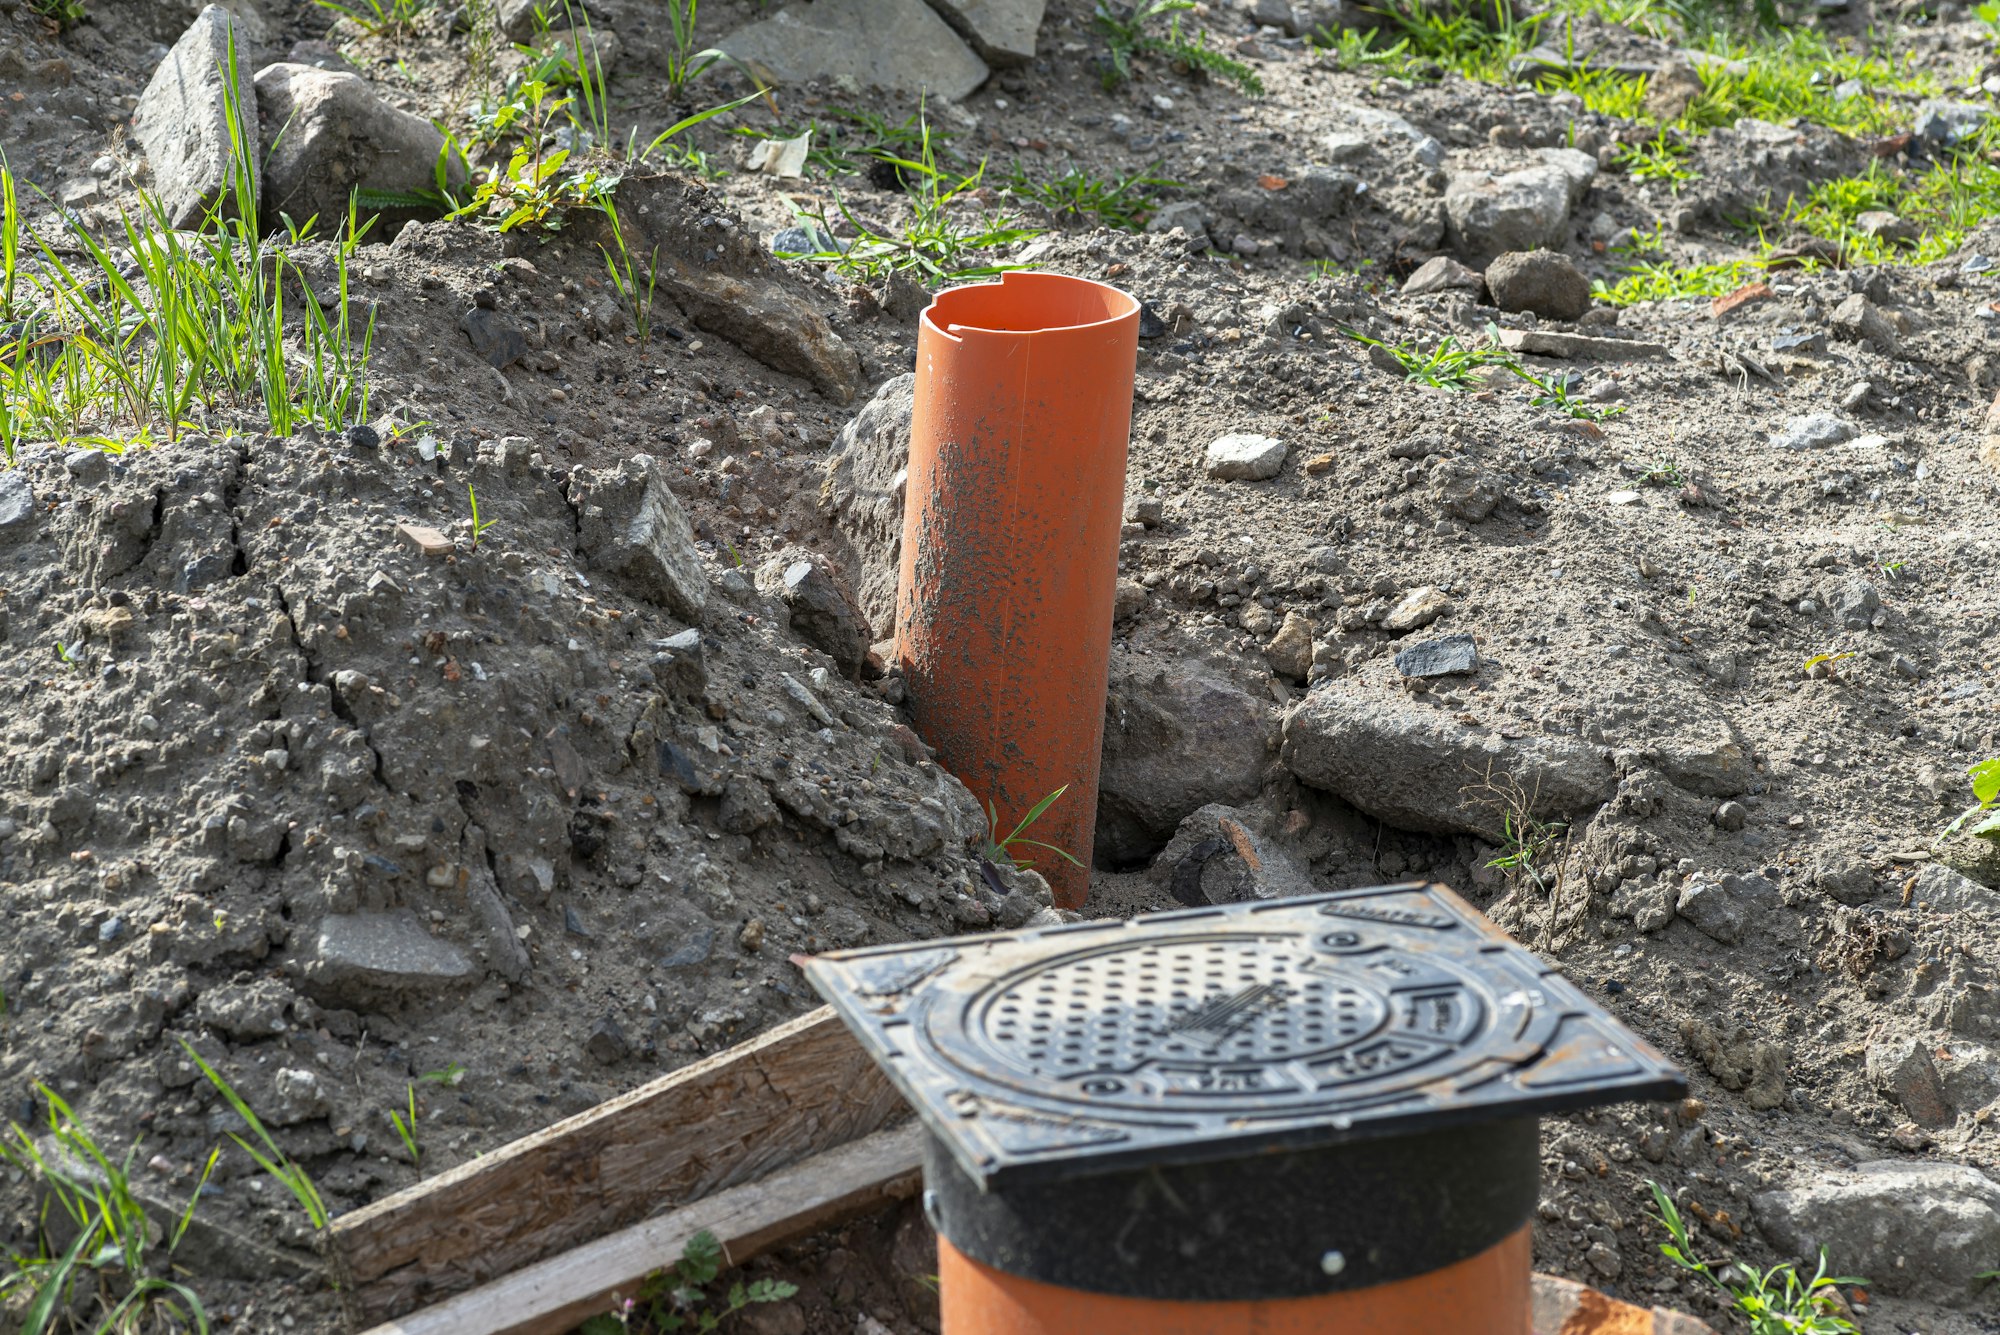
(1445, 656)
(362, 436)
(607, 1043)
(1859, 319)
(1746, 295)
(1603, 1260)
(1943, 121)
(1540, 281)
(1415, 610)
(1245, 457)
(1442, 273)
(1886, 226)
(631, 523)
(1146, 510)
(1731, 816)
(1811, 432)
(1845, 882)
(1901, 1069)
(18, 511)
(751, 938)
(358, 957)
(424, 538)
(1291, 649)
(496, 339)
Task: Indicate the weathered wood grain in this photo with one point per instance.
(796, 1091)
(553, 1296)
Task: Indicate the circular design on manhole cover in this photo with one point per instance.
(1219, 1019)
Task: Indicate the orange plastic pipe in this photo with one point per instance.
(1486, 1294)
(1010, 545)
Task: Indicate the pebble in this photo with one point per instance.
(1811, 431)
(1444, 656)
(1246, 457)
(362, 436)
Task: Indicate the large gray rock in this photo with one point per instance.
(1911, 1228)
(863, 492)
(1177, 736)
(629, 522)
(1724, 908)
(771, 324)
(364, 958)
(899, 45)
(330, 135)
(1001, 31)
(1901, 1069)
(182, 119)
(822, 609)
(1487, 215)
(1418, 768)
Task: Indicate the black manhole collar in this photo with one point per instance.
(1213, 1033)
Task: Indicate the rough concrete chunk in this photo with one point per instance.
(361, 957)
(863, 491)
(630, 522)
(771, 325)
(337, 137)
(182, 117)
(1910, 1227)
(1001, 31)
(17, 504)
(1489, 215)
(899, 45)
(1902, 1070)
(1177, 736)
(1724, 907)
(1246, 457)
(1418, 768)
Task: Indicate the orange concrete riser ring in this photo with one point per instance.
(1485, 1294)
(1016, 491)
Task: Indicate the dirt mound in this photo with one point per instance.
(1664, 633)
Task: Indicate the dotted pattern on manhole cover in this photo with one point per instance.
(1198, 1034)
(1219, 999)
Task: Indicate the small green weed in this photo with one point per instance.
(271, 1159)
(1134, 30)
(1528, 848)
(1661, 158)
(935, 242)
(848, 141)
(625, 276)
(1000, 850)
(1361, 50)
(1076, 194)
(677, 1298)
(1984, 813)
(406, 1122)
(1450, 365)
(378, 18)
(1555, 392)
(479, 526)
(1662, 473)
(1775, 1301)
(62, 13)
(115, 1258)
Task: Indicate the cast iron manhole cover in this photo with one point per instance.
(1214, 1032)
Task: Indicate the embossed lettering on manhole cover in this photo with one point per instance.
(1213, 1032)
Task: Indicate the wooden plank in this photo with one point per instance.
(796, 1091)
(553, 1296)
